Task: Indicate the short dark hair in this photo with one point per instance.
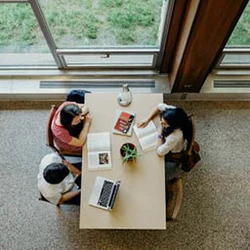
(77, 95)
(54, 173)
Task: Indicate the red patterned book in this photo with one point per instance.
(123, 122)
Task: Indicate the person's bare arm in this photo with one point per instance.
(72, 168)
(160, 137)
(151, 116)
(79, 142)
(68, 196)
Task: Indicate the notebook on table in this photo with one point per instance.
(104, 193)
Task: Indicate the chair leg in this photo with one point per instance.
(179, 196)
(174, 195)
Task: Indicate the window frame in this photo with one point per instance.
(60, 53)
(233, 51)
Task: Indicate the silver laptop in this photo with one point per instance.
(104, 193)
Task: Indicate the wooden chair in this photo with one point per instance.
(174, 188)
(50, 139)
(193, 144)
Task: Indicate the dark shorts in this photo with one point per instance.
(172, 170)
(77, 199)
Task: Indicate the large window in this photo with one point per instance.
(102, 23)
(21, 40)
(237, 51)
(81, 33)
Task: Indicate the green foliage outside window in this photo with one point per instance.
(241, 33)
(83, 22)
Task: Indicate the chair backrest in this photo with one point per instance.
(192, 140)
(49, 134)
(193, 144)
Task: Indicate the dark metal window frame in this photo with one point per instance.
(233, 51)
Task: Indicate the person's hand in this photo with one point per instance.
(142, 124)
(88, 118)
(84, 109)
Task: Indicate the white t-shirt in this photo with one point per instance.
(53, 192)
(174, 142)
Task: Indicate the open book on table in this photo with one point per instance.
(124, 121)
(99, 151)
(147, 136)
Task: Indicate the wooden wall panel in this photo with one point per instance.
(200, 45)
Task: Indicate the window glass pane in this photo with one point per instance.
(112, 60)
(241, 33)
(21, 40)
(102, 23)
(235, 59)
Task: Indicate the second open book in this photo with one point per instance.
(99, 145)
(99, 151)
(147, 136)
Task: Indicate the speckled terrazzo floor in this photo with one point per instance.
(216, 206)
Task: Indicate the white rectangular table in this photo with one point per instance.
(140, 203)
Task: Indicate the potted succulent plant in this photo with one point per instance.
(128, 152)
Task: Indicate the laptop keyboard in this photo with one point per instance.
(105, 193)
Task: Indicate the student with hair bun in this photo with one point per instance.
(173, 136)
